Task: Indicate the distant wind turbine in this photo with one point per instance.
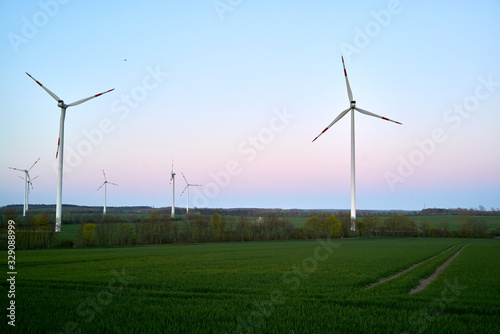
(60, 145)
(105, 183)
(32, 188)
(27, 183)
(342, 114)
(187, 187)
(172, 182)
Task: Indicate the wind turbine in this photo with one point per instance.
(27, 183)
(32, 188)
(187, 187)
(105, 187)
(342, 114)
(172, 182)
(60, 145)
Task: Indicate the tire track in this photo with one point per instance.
(388, 278)
(426, 281)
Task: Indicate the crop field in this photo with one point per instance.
(312, 286)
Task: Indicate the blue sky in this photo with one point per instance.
(235, 91)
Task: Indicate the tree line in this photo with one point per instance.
(159, 228)
(37, 231)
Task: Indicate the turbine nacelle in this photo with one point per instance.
(353, 104)
(61, 104)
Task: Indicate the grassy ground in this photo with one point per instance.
(262, 287)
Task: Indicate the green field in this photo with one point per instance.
(263, 287)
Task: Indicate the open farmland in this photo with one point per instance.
(276, 286)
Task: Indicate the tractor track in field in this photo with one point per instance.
(391, 277)
(426, 281)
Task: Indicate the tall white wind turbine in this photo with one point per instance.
(27, 182)
(60, 145)
(105, 184)
(172, 182)
(342, 114)
(187, 187)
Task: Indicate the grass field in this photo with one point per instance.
(263, 287)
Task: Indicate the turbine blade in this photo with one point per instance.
(59, 139)
(104, 175)
(112, 183)
(61, 130)
(184, 178)
(172, 174)
(184, 190)
(58, 144)
(33, 164)
(366, 112)
(46, 89)
(101, 186)
(342, 114)
(349, 92)
(21, 170)
(195, 185)
(88, 98)
(33, 180)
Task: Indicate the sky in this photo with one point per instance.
(234, 92)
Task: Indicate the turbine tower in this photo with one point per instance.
(105, 188)
(187, 187)
(172, 182)
(60, 145)
(342, 114)
(27, 182)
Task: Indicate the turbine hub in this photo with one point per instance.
(61, 104)
(353, 104)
